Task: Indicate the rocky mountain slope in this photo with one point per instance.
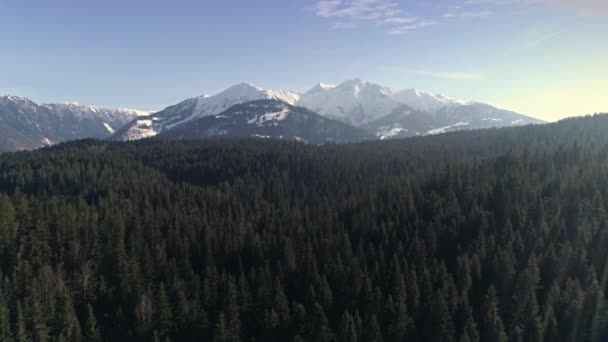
(268, 119)
(26, 125)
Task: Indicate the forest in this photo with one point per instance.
(490, 235)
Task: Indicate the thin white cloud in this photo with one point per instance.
(382, 12)
(468, 14)
(348, 14)
(357, 9)
(581, 7)
(401, 20)
(400, 30)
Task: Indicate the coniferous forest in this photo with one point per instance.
(491, 235)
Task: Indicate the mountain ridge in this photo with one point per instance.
(355, 102)
(25, 124)
(268, 119)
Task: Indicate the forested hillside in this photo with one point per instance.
(494, 235)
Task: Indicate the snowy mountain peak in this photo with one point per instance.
(320, 87)
(356, 82)
(354, 101)
(424, 101)
(363, 88)
(249, 91)
(240, 93)
(241, 89)
(15, 99)
(202, 106)
(78, 110)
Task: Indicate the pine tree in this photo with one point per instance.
(5, 321)
(91, 331)
(23, 333)
(372, 330)
(71, 325)
(165, 314)
(346, 330)
(492, 327)
(444, 330)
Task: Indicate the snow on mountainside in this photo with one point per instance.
(194, 108)
(85, 111)
(358, 102)
(410, 112)
(423, 101)
(111, 119)
(354, 102)
(25, 124)
(408, 122)
(386, 113)
(268, 119)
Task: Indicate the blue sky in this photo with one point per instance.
(546, 58)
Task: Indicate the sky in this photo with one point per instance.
(544, 58)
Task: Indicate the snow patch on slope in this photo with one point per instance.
(109, 128)
(269, 117)
(240, 93)
(355, 102)
(446, 128)
(393, 132)
(142, 129)
(423, 101)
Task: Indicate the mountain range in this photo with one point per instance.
(26, 125)
(380, 111)
(354, 110)
(268, 119)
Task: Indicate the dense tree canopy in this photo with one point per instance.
(495, 235)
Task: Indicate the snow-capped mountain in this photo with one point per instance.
(112, 119)
(372, 109)
(406, 121)
(195, 108)
(404, 113)
(268, 119)
(354, 102)
(423, 101)
(381, 110)
(25, 124)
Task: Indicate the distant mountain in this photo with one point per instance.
(268, 119)
(381, 111)
(423, 101)
(353, 102)
(405, 121)
(397, 114)
(195, 108)
(25, 124)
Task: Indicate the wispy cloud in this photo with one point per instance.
(581, 7)
(401, 20)
(357, 9)
(381, 12)
(448, 75)
(391, 14)
(399, 30)
(480, 9)
(468, 14)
